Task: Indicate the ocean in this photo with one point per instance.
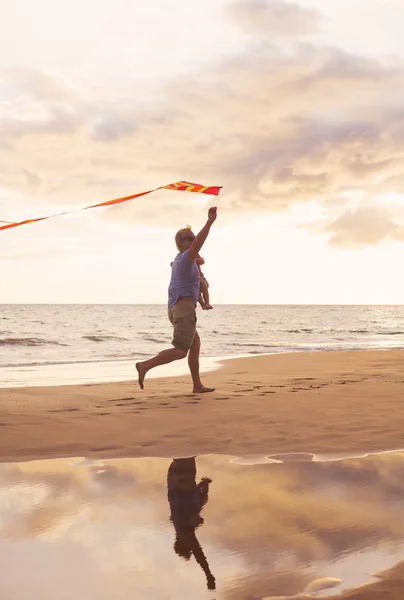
(61, 344)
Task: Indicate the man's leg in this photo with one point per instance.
(162, 358)
(193, 363)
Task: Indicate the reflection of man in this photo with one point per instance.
(187, 498)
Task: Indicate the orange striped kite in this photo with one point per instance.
(180, 186)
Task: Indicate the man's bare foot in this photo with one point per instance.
(201, 389)
(141, 374)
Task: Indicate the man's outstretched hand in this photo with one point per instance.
(212, 214)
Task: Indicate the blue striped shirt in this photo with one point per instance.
(185, 279)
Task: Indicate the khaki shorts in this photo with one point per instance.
(183, 318)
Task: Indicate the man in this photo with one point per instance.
(183, 294)
(187, 499)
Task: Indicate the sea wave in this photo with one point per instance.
(254, 345)
(156, 340)
(390, 333)
(359, 331)
(48, 363)
(104, 338)
(29, 342)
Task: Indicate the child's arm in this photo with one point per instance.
(200, 260)
(171, 264)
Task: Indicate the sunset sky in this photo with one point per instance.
(295, 108)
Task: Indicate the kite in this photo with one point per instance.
(180, 186)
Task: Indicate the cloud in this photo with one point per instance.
(39, 84)
(33, 181)
(112, 128)
(276, 128)
(55, 120)
(36, 102)
(364, 226)
(273, 17)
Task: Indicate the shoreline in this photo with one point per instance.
(309, 402)
(76, 374)
(73, 374)
(247, 460)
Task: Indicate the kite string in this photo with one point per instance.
(183, 186)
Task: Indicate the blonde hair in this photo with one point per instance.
(181, 232)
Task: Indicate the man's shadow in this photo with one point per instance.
(187, 499)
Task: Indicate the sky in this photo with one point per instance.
(295, 108)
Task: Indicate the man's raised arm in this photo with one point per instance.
(202, 235)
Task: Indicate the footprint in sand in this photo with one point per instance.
(130, 403)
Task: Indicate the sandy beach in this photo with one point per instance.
(330, 402)
(302, 402)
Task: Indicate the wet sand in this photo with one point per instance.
(332, 402)
(303, 402)
(255, 532)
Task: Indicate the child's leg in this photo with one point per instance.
(205, 291)
(204, 294)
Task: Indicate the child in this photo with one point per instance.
(204, 299)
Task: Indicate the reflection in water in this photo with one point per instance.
(187, 498)
(268, 530)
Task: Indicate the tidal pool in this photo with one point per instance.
(216, 527)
